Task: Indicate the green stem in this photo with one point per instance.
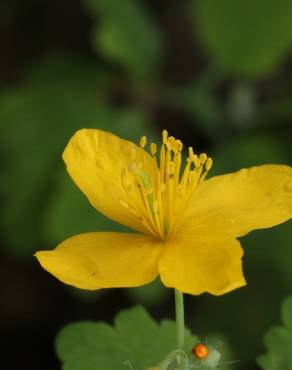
(179, 313)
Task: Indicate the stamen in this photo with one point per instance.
(178, 146)
(164, 137)
(209, 164)
(197, 162)
(191, 153)
(153, 148)
(162, 163)
(157, 188)
(203, 157)
(143, 141)
(177, 165)
(170, 144)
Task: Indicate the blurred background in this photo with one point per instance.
(216, 74)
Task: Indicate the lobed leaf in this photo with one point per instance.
(278, 342)
(136, 341)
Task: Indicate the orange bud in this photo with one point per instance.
(200, 351)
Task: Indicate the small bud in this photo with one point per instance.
(200, 351)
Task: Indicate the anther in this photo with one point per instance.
(143, 141)
(178, 146)
(153, 148)
(209, 163)
(191, 153)
(170, 143)
(164, 136)
(203, 157)
(196, 161)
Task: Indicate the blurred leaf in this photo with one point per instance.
(242, 106)
(252, 150)
(248, 37)
(149, 295)
(278, 342)
(199, 101)
(127, 35)
(36, 119)
(69, 213)
(136, 340)
(87, 296)
(59, 95)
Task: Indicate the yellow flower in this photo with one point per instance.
(187, 226)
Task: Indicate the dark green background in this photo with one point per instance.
(216, 74)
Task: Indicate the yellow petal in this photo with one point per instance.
(235, 204)
(96, 160)
(103, 260)
(196, 265)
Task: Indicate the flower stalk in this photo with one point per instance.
(179, 313)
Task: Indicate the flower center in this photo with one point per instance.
(164, 187)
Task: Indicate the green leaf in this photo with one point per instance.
(278, 342)
(127, 35)
(149, 295)
(198, 100)
(287, 313)
(36, 120)
(248, 37)
(69, 213)
(246, 151)
(135, 340)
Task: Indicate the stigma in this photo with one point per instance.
(160, 186)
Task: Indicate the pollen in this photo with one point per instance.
(160, 185)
